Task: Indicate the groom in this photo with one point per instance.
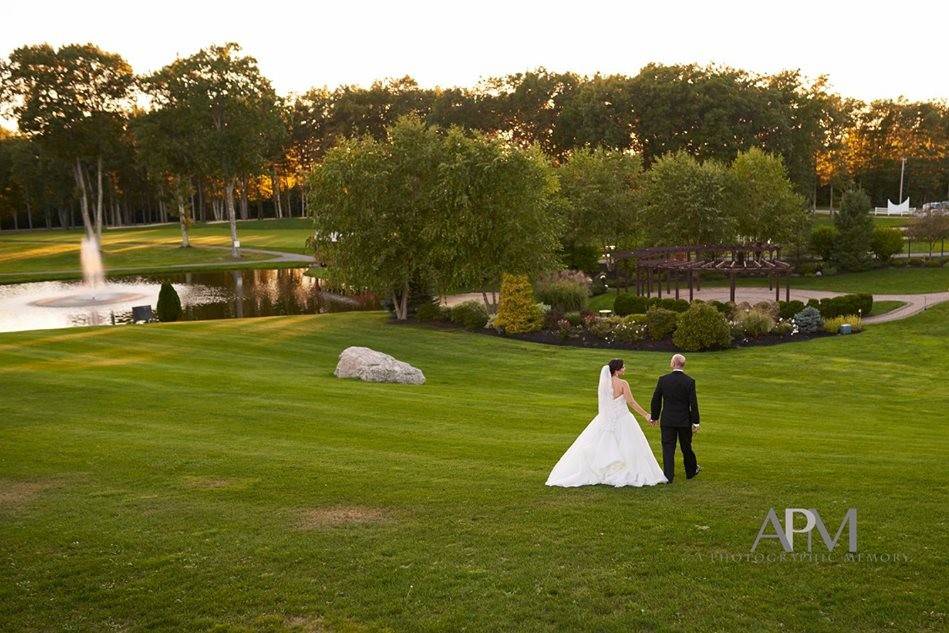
(675, 398)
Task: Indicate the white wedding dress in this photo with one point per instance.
(612, 449)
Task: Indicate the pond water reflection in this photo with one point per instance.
(204, 295)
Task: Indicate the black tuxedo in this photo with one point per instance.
(676, 406)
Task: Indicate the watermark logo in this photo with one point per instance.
(812, 520)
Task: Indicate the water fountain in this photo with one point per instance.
(97, 292)
(96, 300)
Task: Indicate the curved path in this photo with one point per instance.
(278, 257)
(914, 303)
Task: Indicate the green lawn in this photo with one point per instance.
(918, 249)
(55, 254)
(882, 307)
(877, 281)
(215, 475)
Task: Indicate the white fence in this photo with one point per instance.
(902, 208)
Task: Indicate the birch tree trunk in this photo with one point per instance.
(200, 213)
(244, 198)
(83, 199)
(400, 303)
(29, 214)
(232, 217)
(99, 201)
(184, 221)
(275, 186)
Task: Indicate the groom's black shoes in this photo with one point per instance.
(698, 469)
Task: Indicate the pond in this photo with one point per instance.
(204, 295)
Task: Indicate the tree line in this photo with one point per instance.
(207, 137)
(428, 210)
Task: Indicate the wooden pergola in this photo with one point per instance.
(678, 265)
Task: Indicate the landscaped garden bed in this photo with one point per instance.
(562, 317)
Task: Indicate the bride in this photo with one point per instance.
(612, 449)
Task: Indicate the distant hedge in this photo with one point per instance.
(859, 304)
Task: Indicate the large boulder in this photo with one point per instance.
(372, 366)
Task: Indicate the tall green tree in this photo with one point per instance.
(373, 205)
(763, 201)
(855, 228)
(529, 106)
(233, 110)
(684, 202)
(502, 204)
(600, 189)
(168, 140)
(430, 208)
(74, 100)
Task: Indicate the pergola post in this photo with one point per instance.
(649, 282)
(659, 284)
(677, 287)
(690, 287)
(777, 287)
(787, 288)
(731, 289)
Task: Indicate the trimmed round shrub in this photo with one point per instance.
(755, 323)
(808, 320)
(432, 311)
(660, 322)
(823, 240)
(721, 306)
(470, 314)
(787, 309)
(563, 295)
(934, 263)
(886, 242)
(518, 312)
(169, 303)
(846, 304)
(627, 303)
(701, 327)
(676, 305)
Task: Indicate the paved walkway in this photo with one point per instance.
(914, 303)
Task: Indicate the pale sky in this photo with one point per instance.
(304, 44)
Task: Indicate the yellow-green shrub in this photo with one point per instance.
(833, 325)
(518, 311)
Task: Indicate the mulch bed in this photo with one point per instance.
(588, 341)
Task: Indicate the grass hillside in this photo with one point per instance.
(216, 476)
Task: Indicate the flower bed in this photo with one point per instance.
(703, 326)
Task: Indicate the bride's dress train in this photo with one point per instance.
(611, 450)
